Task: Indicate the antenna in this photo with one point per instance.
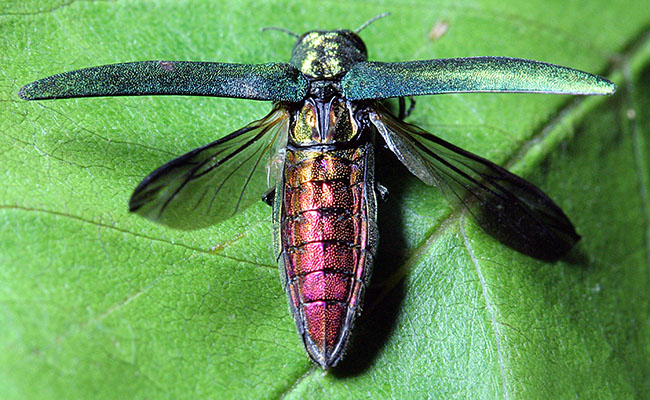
(370, 21)
(275, 28)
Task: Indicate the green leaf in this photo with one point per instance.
(97, 303)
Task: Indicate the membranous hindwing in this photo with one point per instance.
(214, 182)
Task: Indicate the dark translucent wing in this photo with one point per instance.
(378, 80)
(505, 205)
(276, 81)
(215, 181)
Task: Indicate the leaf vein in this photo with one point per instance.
(490, 309)
(640, 157)
(138, 235)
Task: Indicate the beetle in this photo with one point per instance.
(313, 157)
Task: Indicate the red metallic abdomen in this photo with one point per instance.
(327, 236)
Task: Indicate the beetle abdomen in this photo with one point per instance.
(327, 234)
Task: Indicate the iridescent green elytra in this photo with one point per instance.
(316, 150)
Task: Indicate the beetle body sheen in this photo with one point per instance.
(325, 220)
(325, 206)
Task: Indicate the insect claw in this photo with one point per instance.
(382, 192)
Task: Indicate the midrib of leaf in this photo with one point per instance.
(455, 216)
(548, 136)
(290, 389)
(552, 132)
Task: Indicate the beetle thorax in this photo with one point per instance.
(325, 117)
(328, 54)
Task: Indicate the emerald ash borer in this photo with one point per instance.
(314, 152)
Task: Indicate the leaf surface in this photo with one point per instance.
(98, 303)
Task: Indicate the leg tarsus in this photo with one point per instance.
(382, 192)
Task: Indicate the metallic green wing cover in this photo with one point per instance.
(378, 80)
(274, 81)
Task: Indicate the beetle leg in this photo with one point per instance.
(269, 197)
(382, 192)
(403, 111)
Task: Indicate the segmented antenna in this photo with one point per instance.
(370, 21)
(275, 28)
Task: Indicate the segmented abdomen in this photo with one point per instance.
(327, 238)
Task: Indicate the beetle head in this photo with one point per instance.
(328, 54)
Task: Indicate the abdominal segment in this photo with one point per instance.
(325, 210)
